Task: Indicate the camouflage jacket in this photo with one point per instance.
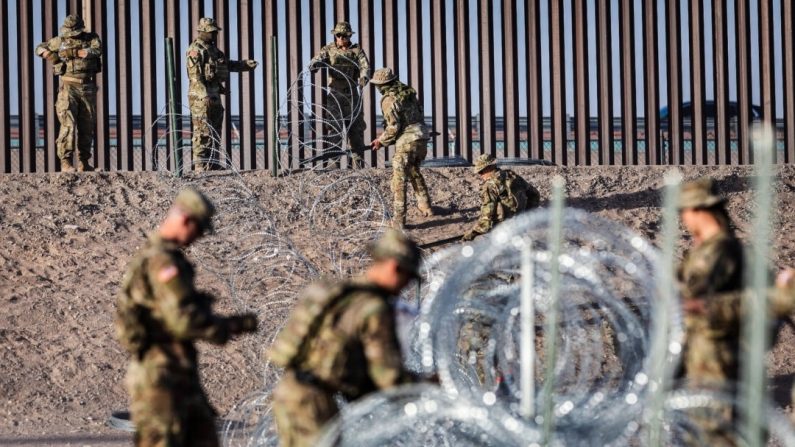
(404, 121)
(347, 66)
(160, 313)
(208, 69)
(63, 54)
(493, 194)
(352, 346)
(714, 266)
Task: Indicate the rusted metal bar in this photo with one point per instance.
(673, 29)
(629, 114)
(99, 25)
(149, 135)
(486, 62)
(195, 13)
(342, 10)
(367, 42)
(391, 49)
(766, 69)
(463, 80)
(697, 87)
(269, 25)
(582, 107)
(535, 125)
(743, 44)
(651, 78)
(5, 96)
(318, 37)
(558, 71)
(510, 72)
(439, 69)
(224, 21)
(124, 64)
(720, 64)
(74, 7)
(415, 46)
(27, 113)
(295, 64)
(173, 30)
(788, 55)
(248, 147)
(604, 27)
(51, 124)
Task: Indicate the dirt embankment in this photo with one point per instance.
(66, 239)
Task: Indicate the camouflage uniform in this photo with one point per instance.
(347, 67)
(405, 127)
(208, 71)
(75, 105)
(340, 338)
(494, 194)
(159, 315)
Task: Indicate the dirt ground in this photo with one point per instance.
(65, 239)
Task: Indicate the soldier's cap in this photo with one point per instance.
(72, 26)
(383, 76)
(197, 206)
(207, 25)
(699, 193)
(483, 162)
(343, 28)
(396, 245)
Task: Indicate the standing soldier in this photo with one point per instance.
(208, 71)
(159, 316)
(502, 195)
(341, 339)
(77, 57)
(347, 66)
(404, 125)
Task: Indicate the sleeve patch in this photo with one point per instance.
(167, 273)
(193, 53)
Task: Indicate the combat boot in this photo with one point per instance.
(66, 166)
(83, 166)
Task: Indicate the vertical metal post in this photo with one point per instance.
(172, 112)
(651, 80)
(275, 100)
(463, 80)
(535, 125)
(560, 149)
(629, 133)
(5, 95)
(673, 30)
(582, 73)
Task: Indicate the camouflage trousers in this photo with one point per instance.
(300, 411)
(76, 112)
(340, 114)
(169, 410)
(405, 168)
(207, 117)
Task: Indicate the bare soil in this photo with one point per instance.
(65, 240)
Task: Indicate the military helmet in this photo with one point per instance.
(383, 76)
(483, 162)
(72, 26)
(343, 28)
(396, 245)
(197, 206)
(207, 25)
(699, 193)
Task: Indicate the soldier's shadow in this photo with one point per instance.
(444, 216)
(780, 389)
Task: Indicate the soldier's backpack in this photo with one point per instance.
(518, 195)
(290, 345)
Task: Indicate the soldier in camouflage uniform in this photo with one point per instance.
(159, 316)
(341, 339)
(404, 125)
(347, 66)
(208, 71)
(77, 57)
(502, 195)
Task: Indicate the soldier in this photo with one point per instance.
(347, 66)
(208, 71)
(159, 315)
(341, 339)
(77, 57)
(404, 125)
(502, 195)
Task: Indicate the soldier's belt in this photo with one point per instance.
(78, 81)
